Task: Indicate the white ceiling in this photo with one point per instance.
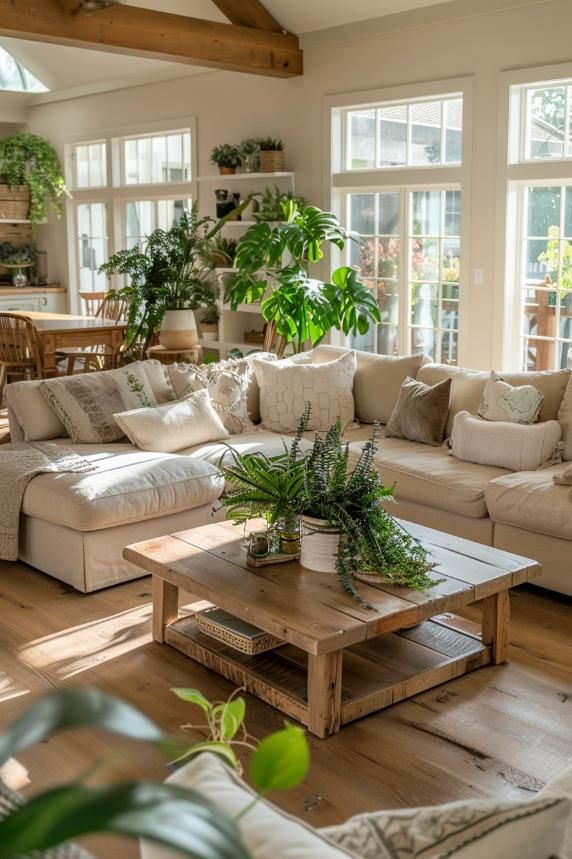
(76, 69)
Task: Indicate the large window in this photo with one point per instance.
(124, 187)
(397, 175)
(540, 223)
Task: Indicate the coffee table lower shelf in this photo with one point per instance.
(374, 674)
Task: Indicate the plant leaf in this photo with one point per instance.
(193, 696)
(232, 717)
(223, 750)
(167, 814)
(76, 708)
(281, 761)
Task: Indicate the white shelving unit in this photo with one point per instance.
(233, 324)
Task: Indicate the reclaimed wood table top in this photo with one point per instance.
(48, 323)
(309, 609)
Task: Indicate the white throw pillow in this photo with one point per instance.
(36, 417)
(473, 829)
(173, 426)
(504, 402)
(517, 447)
(286, 387)
(159, 381)
(266, 830)
(86, 403)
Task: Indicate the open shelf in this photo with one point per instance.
(237, 177)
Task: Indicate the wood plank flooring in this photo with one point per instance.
(500, 731)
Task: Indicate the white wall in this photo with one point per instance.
(230, 106)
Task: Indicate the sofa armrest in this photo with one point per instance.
(16, 431)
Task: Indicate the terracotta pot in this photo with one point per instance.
(319, 545)
(226, 171)
(178, 330)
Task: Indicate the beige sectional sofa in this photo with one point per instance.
(75, 525)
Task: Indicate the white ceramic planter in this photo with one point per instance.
(178, 330)
(319, 545)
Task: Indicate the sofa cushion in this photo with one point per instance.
(129, 486)
(519, 447)
(468, 387)
(428, 475)
(270, 443)
(377, 381)
(420, 412)
(531, 500)
(518, 404)
(564, 417)
(36, 418)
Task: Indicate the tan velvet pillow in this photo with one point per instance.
(420, 413)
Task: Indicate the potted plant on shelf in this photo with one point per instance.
(15, 259)
(274, 265)
(170, 276)
(226, 157)
(28, 162)
(344, 527)
(209, 322)
(249, 151)
(271, 155)
(273, 204)
(223, 251)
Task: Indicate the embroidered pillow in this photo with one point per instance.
(518, 447)
(420, 412)
(477, 828)
(86, 403)
(503, 402)
(173, 426)
(286, 387)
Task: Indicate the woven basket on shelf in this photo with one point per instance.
(14, 202)
(272, 161)
(257, 641)
(16, 234)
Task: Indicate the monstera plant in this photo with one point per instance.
(276, 264)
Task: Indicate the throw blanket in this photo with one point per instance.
(20, 463)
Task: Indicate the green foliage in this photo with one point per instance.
(281, 761)
(27, 159)
(166, 814)
(558, 253)
(222, 251)
(16, 254)
(210, 315)
(322, 483)
(270, 144)
(301, 307)
(171, 270)
(274, 204)
(249, 146)
(225, 155)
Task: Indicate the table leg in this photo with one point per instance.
(49, 355)
(496, 625)
(165, 606)
(324, 693)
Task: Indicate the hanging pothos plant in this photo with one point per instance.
(28, 159)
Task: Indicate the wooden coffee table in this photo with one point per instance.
(342, 660)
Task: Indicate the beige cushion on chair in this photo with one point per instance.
(377, 381)
(531, 500)
(428, 475)
(129, 486)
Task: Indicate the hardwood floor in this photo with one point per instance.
(499, 732)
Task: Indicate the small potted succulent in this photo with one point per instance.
(271, 155)
(210, 316)
(226, 157)
(249, 151)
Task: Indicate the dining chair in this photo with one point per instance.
(20, 349)
(96, 357)
(92, 302)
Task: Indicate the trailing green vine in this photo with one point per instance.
(28, 159)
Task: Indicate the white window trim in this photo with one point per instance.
(507, 319)
(438, 176)
(116, 196)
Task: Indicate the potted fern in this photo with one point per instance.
(344, 527)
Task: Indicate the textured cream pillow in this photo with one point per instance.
(37, 419)
(173, 426)
(504, 402)
(227, 389)
(517, 447)
(86, 403)
(286, 387)
(159, 381)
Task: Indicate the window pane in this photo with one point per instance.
(92, 245)
(144, 216)
(90, 165)
(361, 139)
(426, 133)
(546, 121)
(543, 210)
(388, 257)
(159, 158)
(453, 130)
(389, 207)
(392, 136)
(452, 213)
(426, 213)
(362, 214)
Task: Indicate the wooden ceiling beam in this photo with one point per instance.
(157, 35)
(248, 13)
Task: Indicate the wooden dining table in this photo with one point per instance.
(60, 330)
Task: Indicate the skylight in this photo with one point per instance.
(15, 77)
